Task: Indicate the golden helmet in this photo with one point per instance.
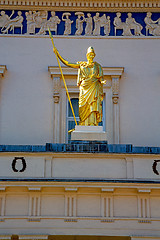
(91, 49)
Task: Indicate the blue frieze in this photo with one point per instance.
(80, 23)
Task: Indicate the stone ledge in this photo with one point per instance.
(82, 147)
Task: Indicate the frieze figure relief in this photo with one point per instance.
(97, 24)
(68, 22)
(13, 23)
(156, 31)
(4, 19)
(41, 22)
(137, 27)
(30, 22)
(89, 25)
(53, 22)
(121, 25)
(105, 22)
(151, 25)
(38, 22)
(79, 22)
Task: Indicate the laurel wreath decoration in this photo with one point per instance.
(154, 167)
(23, 163)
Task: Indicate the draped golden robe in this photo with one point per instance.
(89, 80)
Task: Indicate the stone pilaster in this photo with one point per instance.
(115, 100)
(56, 97)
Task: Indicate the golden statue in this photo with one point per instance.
(90, 81)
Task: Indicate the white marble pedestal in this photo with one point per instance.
(89, 133)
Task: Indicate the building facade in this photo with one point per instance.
(55, 188)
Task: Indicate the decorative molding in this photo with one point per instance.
(144, 207)
(107, 206)
(70, 220)
(34, 206)
(55, 71)
(34, 237)
(71, 189)
(2, 189)
(3, 68)
(144, 190)
(107, 220)
(34, 189)
(144, 221)
(34, 219)
(70, 205)
(107, 71)
(5, 237)
(107, 190)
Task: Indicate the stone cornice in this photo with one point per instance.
(83, 5)
(107, 71)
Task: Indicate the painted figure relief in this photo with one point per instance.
(42, 22)
(89, 25)
(68, 22)
(36, 20)
(105, 22)
(101, 22)
(79, 22)
(153, 27)
(121, 25)
(30, 23)
(131, 22)
(4, 19)
(53, 22)
(13, 23)
(97, 25)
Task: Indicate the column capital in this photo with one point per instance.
(3, 68)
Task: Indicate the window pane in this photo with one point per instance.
(75, 104)
(101, 123)
(71, 125)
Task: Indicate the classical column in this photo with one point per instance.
(115, 100)
(56, 98)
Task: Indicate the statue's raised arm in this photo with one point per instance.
(73, 65)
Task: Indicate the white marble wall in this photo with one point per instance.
(26, 90)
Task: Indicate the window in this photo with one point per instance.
(70, 119)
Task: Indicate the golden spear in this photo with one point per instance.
(51, 36)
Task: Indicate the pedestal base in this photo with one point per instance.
(89, 133)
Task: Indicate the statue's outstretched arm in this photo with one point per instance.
(73, 65)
